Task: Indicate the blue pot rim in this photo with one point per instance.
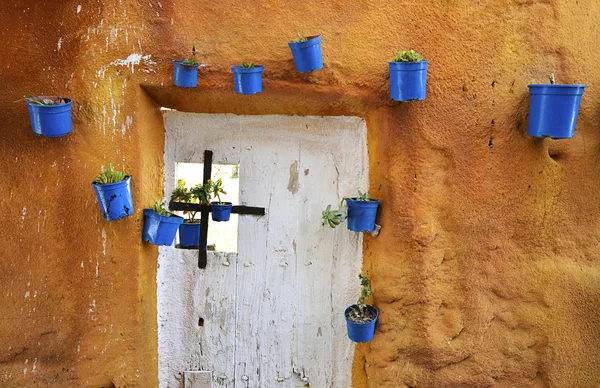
(124, 182)
(255, 69)
(557, 90)
(361, 324)
(173, 219)
(399, 66)
(551, 86)
(68, 103)
(178, 62)
(223, 204)
(186, 222)
(311, 41)
(355, 200)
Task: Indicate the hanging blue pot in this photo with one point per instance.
(185, 76)
(51, 120)
(361, 214)
(408, 80)
(189, 234)
(247, 80)
(553, 109)
(307, 55)
(158, 229)
(361, 332)
(114, 199)
(221, 211)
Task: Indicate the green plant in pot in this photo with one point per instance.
(185, 71)
(247, 78)
(306, 51)
(113, 192)
(160, 226)
(361, 317)
(189, 230)
(50, 116)
(360, 212)
(408, 76)
(221, 211)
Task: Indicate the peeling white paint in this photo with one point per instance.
(103, 242)
(132, 60)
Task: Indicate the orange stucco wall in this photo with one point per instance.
(486, 272)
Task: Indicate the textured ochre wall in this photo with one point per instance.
(486, 271)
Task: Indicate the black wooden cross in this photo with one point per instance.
(205, 209)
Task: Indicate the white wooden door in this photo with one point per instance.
(270, 315)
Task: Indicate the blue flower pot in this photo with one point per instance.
(247, 81)
(160, 230)
(221, 212)
(51, 121)
(361, 332)
(185, 76)
(189, 234)
(408, 80)
(361, 214)
(307, 55)
(553, 110)
(114, 199)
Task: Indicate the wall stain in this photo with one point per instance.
(293, 182)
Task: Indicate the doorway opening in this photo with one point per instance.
(271, 312)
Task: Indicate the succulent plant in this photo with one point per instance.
(110, 175)
(159, 208)
(407, 56)
(363, 196)
(333, 217)
(301, 38)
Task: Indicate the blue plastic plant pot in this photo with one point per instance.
(361, 214)
(160, 230)
(115, 199)
(221, 212)
(307, 55)
(553, 110)
(408, 80)
(189, 234)
(51, 120)
(185, 76)
(247, 81)
(361, 332)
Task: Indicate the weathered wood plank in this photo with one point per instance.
(255, 188)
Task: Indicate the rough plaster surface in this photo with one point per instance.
(272, 313)
(486, 271)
